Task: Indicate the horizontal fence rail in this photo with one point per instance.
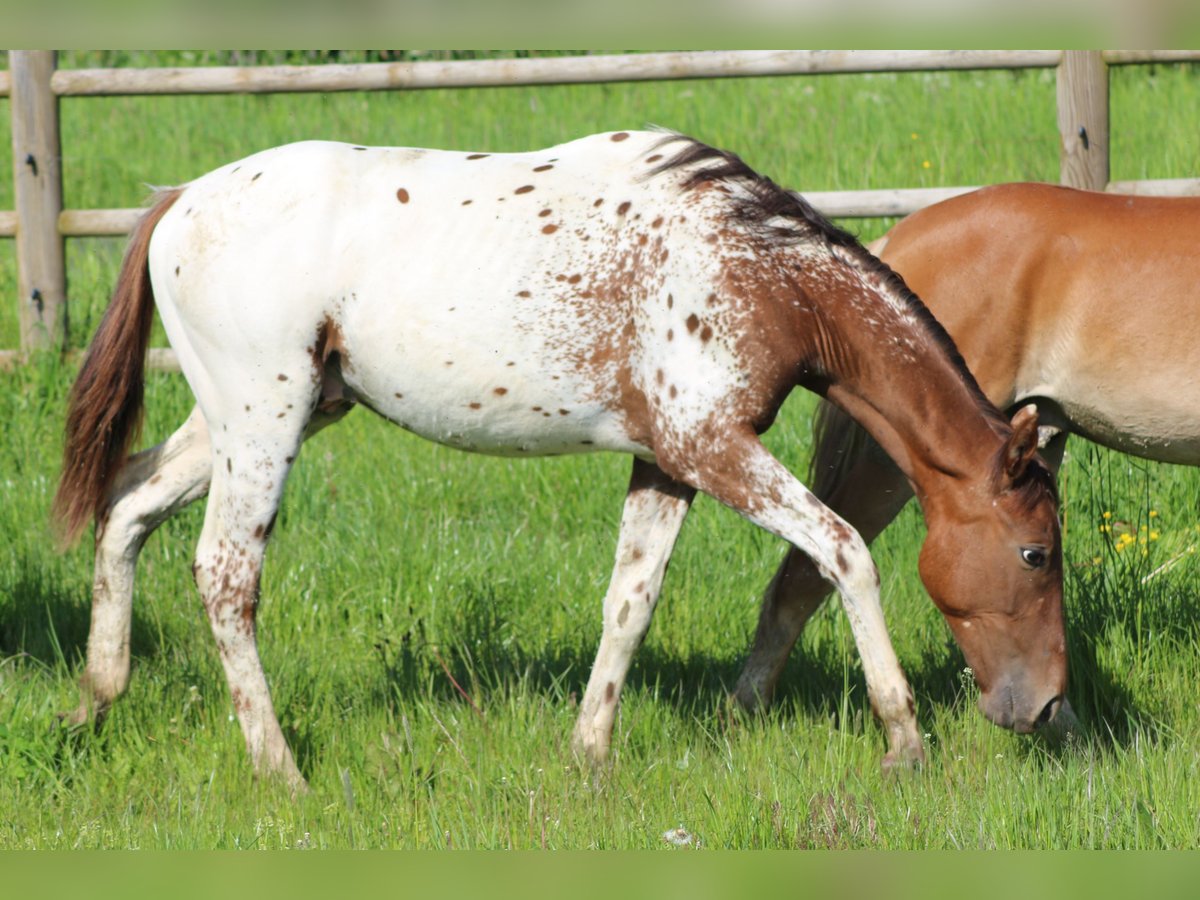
(558, 70)
(1082, 112)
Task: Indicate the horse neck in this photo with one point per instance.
(891, 370)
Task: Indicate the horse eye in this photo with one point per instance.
(1033, 556)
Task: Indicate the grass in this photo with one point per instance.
(400, 569)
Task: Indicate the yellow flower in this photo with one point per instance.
(1107, 514)
(1154, 513)
(1154, 535)
(915, 136)
(925, 164)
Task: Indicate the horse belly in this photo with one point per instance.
(1158, 427)
(1126, 378)
(457, 361)
(473, 396)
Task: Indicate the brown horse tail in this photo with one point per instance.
(105, 406)
(837, 442)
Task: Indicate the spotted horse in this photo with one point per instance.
(636, 292)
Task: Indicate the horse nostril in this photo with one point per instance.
(1049, 712)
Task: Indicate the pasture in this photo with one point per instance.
(429, 617)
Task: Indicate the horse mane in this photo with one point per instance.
(781, 218)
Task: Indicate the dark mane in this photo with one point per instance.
(783, 217)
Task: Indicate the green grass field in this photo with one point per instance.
(400, 569)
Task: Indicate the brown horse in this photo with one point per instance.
(1074, 301)
(634, 292)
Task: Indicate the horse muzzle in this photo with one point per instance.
(1022, 711)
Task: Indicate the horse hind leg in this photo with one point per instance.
(152, 487)
(252, 455)
(655, 507)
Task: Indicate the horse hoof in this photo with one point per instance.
(76, 719)
(750, 701)
(903, 759)
(590, 754)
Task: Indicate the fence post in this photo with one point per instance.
(1083, 119)
(37, 177)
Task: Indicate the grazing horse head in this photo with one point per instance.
(992, 562)
(992, 559)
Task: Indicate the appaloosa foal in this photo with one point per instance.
(635, 292)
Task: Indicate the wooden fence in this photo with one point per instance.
(34, 85)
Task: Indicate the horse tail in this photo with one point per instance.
(105, 407)
(837, 442)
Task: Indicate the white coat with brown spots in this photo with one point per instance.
(598, 295)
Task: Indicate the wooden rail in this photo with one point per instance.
(35, 87)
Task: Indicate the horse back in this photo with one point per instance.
(1066, 294)
(506, 303)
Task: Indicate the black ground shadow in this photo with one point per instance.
(48, 622)
(473, 661)
(45, 620)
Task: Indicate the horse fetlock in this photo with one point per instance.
(100, 689)
(755, 688)
(590, 743)
(96, 696)
(278, 763)
(903, 759)
(896, 711)
(268, 749)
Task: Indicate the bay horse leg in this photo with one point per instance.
(743, 475)
(870, 494)
(655, 507)
(152, 486)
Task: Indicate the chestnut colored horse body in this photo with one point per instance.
(633, 292)
(1081, 303)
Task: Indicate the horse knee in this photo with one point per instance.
(849, 566)
(228, 580)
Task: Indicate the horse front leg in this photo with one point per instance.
(655, 507)
(739, 472)
(866, 489)
(152, 486)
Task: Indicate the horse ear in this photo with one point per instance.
(1022, 444)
